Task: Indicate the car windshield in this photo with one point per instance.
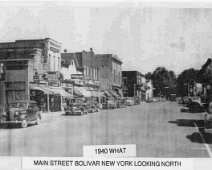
(22, 105)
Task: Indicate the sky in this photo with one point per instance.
(143, 36)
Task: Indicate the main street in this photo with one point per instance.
(157, 129)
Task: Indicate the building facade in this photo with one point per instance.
(205, 78)
(81, 70)
(110, 73)
(149, 89)
(30, 70)
(134, 84)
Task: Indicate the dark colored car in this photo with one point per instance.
(21, 112)
(121, 103)
(208, 120)
(137, 101)
(111, 103)
(76, 106)
(92, 105)
(129, 101)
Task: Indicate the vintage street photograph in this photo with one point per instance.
(75, 74)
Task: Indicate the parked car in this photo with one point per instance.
(121, 103)
(151, 100)
(111, 103)
(21, 112)
(137, 101)
(129, 101)
(92, 105)
(76, 106)
(208, 120)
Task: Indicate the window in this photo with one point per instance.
(54, 63)
(94, 74)
(114, 76)
(58, 63)
(1, 68)
(85, 70)
(97, 74)
(91, 73)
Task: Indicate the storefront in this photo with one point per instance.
(48, 93)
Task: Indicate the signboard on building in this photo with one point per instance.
(36, 78)
(53, 78)
(77, 76)
(79, 82)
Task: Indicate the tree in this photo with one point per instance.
(164, 81)
(185, 79)
(148, 75)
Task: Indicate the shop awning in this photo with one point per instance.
(107, 93)
(52, 90)
(97, 94)
(115, 94)
(40, 89)
(81, 91)
(61, 91)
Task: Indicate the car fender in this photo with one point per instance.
(22, 116)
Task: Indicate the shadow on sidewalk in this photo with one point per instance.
(188, 122)
(14, 126)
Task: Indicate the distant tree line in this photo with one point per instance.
(166, 82)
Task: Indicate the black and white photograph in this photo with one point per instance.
(77, 75)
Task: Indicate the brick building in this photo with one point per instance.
(134, 84)
(110, 73)
(83, 72)
(25, 63)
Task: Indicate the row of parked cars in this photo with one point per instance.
(83, 106)
(25, 112)
(194, 104)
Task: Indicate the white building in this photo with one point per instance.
(149, 89)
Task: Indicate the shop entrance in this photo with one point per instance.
(54, 102)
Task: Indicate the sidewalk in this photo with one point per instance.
(46, 115)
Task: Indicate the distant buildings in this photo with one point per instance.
(37, 70)
(134, 84)
(149, 89)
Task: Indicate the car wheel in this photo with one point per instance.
(24, 123)
(38, 119)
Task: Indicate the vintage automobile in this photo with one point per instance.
(21, 112)
(208, 120)
(76, 106)
(129, 101)
(92, 105)
(137, 101)
(111, 103)
(121, 103)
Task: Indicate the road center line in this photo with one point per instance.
(203, 140)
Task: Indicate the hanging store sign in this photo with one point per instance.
(36, 78)
(79, 82)
(54, 78)
(77, 76)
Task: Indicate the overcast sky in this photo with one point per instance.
(143, 37)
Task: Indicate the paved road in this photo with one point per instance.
(157, 129)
